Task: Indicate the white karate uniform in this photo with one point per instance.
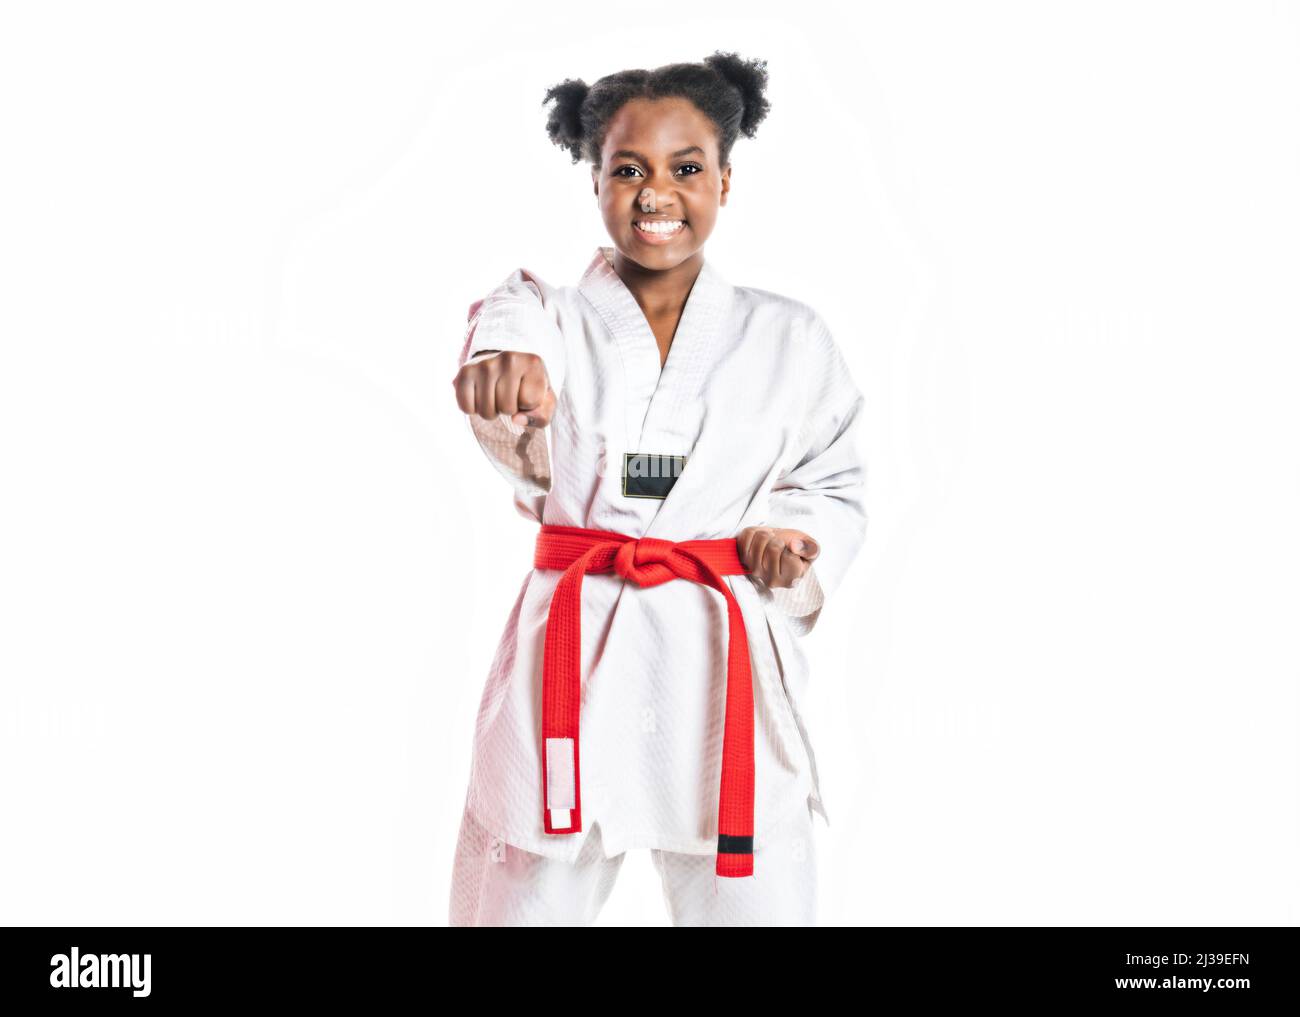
(756, 394)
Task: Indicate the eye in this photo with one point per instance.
(695, 167)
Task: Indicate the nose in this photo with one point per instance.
(651, 199)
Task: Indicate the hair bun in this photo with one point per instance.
(564, 124)
(750, 77)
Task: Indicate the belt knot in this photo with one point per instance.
(645, 561)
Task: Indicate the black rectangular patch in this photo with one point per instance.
(729, 844)
(647, 475)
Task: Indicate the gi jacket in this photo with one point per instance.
(757, 400)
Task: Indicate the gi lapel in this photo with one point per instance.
(663, 408)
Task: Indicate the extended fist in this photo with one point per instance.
(510, 382)
(778, 557)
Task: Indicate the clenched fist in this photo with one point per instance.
(510, 382)
(777, 556)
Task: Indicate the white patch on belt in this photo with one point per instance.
(560, 780)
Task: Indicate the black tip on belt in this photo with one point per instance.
(729, 845)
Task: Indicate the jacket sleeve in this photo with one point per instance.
(824, 492)
(519, 315)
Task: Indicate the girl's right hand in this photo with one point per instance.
(512, 383)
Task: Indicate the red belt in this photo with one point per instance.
(647, 561)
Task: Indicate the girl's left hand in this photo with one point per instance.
(779, 557)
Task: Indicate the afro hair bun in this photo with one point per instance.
(564, 124)
(750, 76)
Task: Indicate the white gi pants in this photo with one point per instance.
(495, 883)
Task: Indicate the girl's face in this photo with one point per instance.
(669, 145)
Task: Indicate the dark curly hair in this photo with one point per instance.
(727, 89)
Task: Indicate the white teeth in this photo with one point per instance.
(661, 226)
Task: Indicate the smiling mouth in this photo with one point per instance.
(660, 227)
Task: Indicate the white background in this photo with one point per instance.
(254, 567)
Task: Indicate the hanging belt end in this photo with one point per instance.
(563, 821)
(562, 813)
(735, 855)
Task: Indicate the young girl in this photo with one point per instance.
(689, 449)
